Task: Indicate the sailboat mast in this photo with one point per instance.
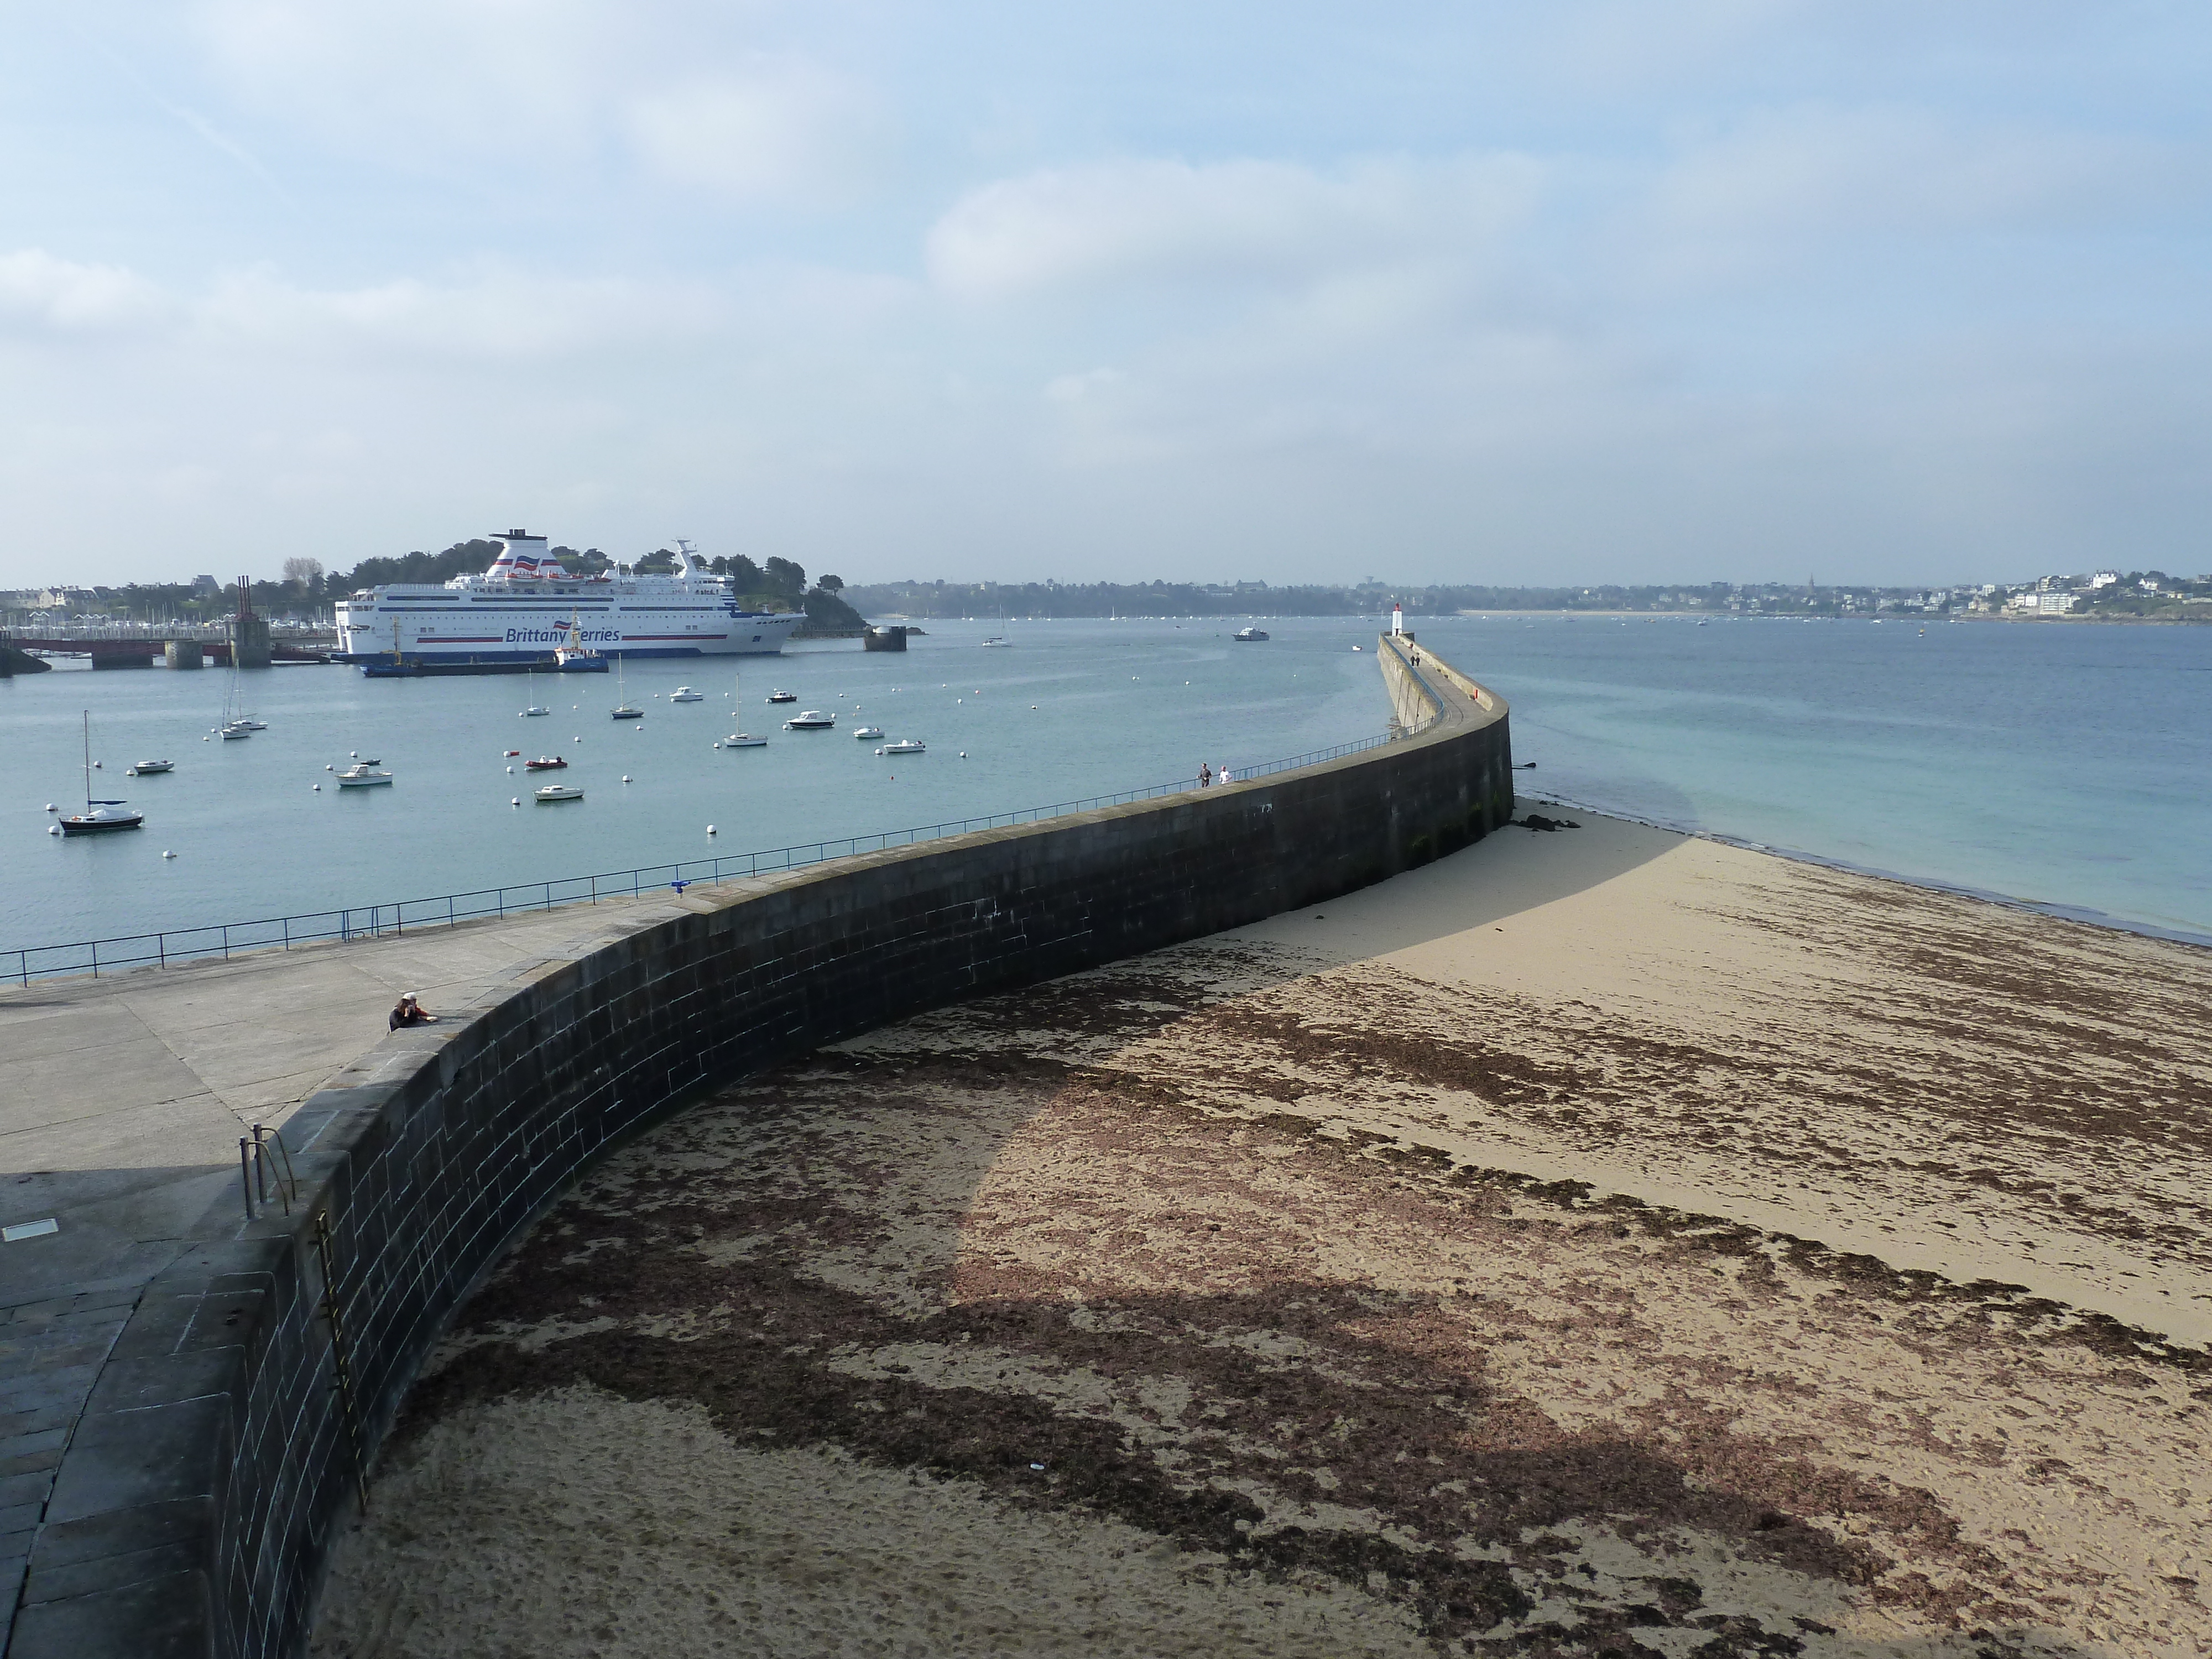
(88, 760)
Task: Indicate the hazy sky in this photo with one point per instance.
(1699, 289)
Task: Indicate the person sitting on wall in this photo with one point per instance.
(410, 1011)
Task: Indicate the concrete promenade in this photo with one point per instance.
(122, 1101)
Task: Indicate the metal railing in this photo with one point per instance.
(226, 939)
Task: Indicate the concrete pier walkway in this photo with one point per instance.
(122, 1101)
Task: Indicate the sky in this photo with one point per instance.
(1596, 290)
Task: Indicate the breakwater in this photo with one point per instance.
(242, 1405)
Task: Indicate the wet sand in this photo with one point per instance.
(1598, 1242)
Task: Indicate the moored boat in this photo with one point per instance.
(546, 764)
(811, 720)
(905, 746)
(685, 694)
(1249, 635)
(149, 768)
(99, 817)
(553, 792)
(868, 734)
(783, 696)
(362, 774)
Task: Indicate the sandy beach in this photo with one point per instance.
(1598, 1242)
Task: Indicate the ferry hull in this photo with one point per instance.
(417, 668)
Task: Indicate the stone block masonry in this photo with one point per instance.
(188, 1513)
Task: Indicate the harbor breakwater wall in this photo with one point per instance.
(240, 1410)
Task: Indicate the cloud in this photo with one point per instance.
(42, 293)
(1832, 171)
(774, 129)
(688, 93)
(1250, 221)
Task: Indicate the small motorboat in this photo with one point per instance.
(1249, 635)
(546, 764)
(811, 720)
(685, 694)
(783, 696)
(998, 639)
(869, 734)
(553, 792)
(905, 746)
(149, 768)
(743, 740)
(250, 724)
(362, 774)
(99, 817)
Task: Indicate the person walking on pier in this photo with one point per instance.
(1204, 774)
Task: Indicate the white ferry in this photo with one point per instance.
(518, 613)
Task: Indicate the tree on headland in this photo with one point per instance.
(830, 584)
(784, 577)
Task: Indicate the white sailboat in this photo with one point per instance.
(235, 724)
(740, 739)
(623, 711)
(535, 706)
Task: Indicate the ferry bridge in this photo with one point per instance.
(244, 637)
(180, 645)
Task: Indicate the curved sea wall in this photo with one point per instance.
(241, 1407)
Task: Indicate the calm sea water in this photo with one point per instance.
(2061, 765)
(1069, 710)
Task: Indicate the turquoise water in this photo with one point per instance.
(2067, 766)
(1116, 706)
(2060, 765)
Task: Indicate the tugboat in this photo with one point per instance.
(99, 817)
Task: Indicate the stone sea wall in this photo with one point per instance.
(240, 1411)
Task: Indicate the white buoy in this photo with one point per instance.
(99, 766)
(356, 753)
(318, 788)
(329, 768)
(50, 806)
(517, 801)
(718, 745)
(625, 777)
(710, 829)
(166, 853)
(510, 771)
